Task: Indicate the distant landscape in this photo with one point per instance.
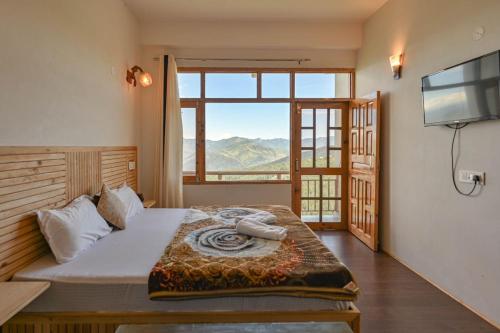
(243, 154)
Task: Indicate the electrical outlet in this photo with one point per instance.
(467, 176)
(131, 165)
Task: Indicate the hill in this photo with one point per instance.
(240, 154)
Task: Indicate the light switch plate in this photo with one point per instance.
(131, 165)
(467, 176)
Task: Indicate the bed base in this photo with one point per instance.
(107, 322)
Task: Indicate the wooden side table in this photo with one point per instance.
(149, 203)
(17, 295)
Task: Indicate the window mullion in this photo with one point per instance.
(259, 85)
(200, 142)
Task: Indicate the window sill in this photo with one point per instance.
(257, 182)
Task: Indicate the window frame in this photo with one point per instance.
(199, 105)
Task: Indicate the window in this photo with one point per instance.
(189, 141)
(276, 85)
(322, 85)
(189, 85)
(231, 85)
(236, 123)
(247, 141)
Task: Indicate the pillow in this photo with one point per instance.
(112, 208)
(72, 229)
(131, 200)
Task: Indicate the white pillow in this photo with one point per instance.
(130, 200)
(111, 207)
(72, 229)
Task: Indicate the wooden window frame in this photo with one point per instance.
(199, 103)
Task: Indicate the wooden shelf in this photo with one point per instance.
(17, 295)
(149, 203)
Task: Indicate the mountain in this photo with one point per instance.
(238, 154)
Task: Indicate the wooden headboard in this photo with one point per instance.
(33, 178)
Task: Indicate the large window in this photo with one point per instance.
(237, 123)
(247, 141)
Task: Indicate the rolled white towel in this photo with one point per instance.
(261, 230)
(261, 216)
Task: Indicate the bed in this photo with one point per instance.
(105, 279)
(107, 286)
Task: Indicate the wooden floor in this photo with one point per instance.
(394, 299)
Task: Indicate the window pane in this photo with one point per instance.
(310, 186)
(335, 118)
(335, 138)
(189, 85)
(307, 138)
(330, 211)
(310, 210)
(247, 141)
(231, 85)
(331, 187)
(307, 118)
(189, 142)
(335, 158)
(321, 133)
(275, 85)
(322, 85)
(342, 85)
(306, 159)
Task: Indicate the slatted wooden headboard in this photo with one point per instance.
(33, 178)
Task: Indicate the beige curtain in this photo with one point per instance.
(168, 137)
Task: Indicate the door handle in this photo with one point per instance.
(296, 165)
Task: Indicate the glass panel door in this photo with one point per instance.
(320, 167)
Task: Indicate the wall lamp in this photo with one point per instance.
(396, 64)
(145, 78)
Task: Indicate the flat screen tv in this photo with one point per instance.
(463, 93)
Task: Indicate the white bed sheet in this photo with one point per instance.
(113, 276)
(123, 257)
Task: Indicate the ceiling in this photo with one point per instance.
(253, 10)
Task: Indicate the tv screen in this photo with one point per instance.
(463, 93)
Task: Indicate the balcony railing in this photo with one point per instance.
(247, 175)
(315, 191)
(310, 207)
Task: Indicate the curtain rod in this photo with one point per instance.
(299, 60)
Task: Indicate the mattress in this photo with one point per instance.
(113, 276)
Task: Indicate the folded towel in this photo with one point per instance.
(260, 216)
(261, 230)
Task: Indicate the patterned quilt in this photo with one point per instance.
(208, 258)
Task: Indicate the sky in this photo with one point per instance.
(249, 120)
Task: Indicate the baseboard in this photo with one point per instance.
(476, 312)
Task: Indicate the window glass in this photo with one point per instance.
(247, 141)
(231, 85)
(189, 140)
(189, 85)
(275, 85)
(322, 85)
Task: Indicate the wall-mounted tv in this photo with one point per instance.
(463, 93)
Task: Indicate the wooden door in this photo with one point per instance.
(320, 164)
(364, 168)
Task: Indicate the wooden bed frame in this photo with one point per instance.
(33, 178)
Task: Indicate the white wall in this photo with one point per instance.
(234, 193)
(62, 73)
(239, 34)
(452, 240)
(247, 194)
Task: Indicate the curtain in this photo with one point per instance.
(168, 137)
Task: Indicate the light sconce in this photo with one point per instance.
(144, 79)
(396, 64)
